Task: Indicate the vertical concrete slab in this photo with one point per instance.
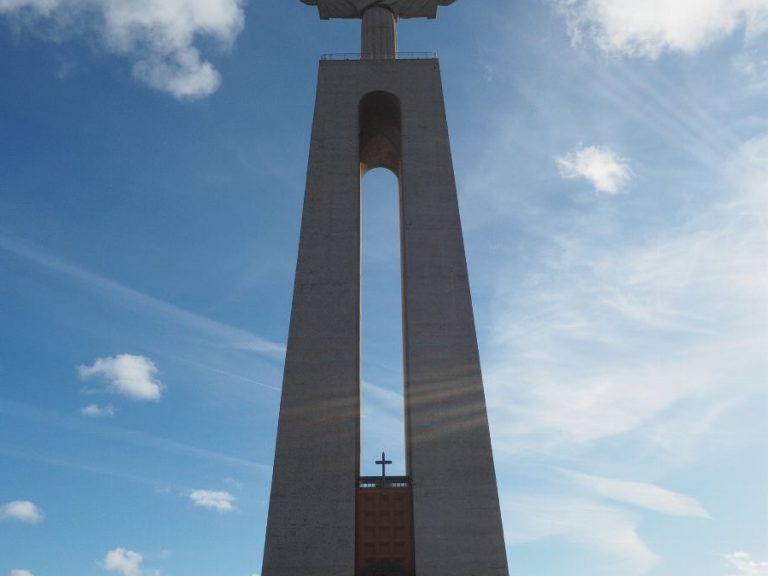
(311, 522)
(456, 508)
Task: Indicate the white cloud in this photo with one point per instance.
(21, 510)
(126, 562)
(96, 411)
(641, 494)
(582, 522)
(129, 375)
(607, 171)
(219, 501)
(743, 562)
(651, 27)
(21, 573)
(160, 36)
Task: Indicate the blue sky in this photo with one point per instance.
(612, 161)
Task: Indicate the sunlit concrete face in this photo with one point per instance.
(370, 113)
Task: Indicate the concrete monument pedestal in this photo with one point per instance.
(369, 113)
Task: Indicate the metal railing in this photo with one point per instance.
(398, 56)
(383, 482)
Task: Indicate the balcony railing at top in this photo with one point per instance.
(400, 56)
(387, 482)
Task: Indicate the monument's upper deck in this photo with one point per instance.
(355, 8)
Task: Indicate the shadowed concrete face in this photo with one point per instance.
(356, 8)
(380, 132)
(379, 34)
(368, 114)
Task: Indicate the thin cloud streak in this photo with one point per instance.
(745, 565)
(641, 494)
(227, 373)
(231, 336)
(59, 462)
(680, 120)
(599, 528)
(51, 419)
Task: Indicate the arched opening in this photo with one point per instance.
(384, 506)
(381, 350)
(380, 132)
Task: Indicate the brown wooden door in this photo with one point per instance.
(384, 530)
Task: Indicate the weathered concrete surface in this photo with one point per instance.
(311, 524)
(457, 523)
(379, 34)
(456, 508)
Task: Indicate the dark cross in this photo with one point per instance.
(383, 463)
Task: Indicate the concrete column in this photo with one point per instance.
(457, 520)
(311, 522)
(379, 39)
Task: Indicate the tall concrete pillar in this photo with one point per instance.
(382, 113)
(379, 34)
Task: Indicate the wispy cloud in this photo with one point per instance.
(123, 561)
(678, 319)
(21, 511)
(128, 375)
(96, 411)
(52, 420)
(752, 63)
(161, 37)
(596, 527)
(227, 373)
(21, 573)
(608, 172)
(647, 29)
(620, 337)
(228, 335)
(220, 501)
(57, 461)
(745, 565)
(641, 494)
(748, 169)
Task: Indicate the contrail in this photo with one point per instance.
(11, 409)
(232, 336)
